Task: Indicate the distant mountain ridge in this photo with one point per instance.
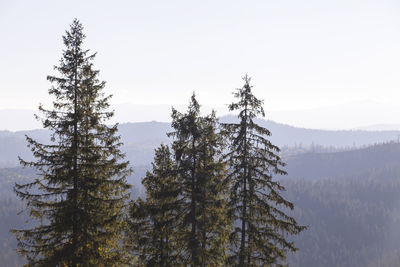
(141, 138)
(380, 127)
(358, 163)
(374, 115)
(283, 134)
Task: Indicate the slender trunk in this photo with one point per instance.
(249, 230)
(204, 248)
(194, 245)
(242, 255)
(243, 231)
(167, 249)
(203, 231)
(75, 170)
(163, 257)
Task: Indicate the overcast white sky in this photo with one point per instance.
(301, 54)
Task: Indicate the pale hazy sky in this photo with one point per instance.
(301, 54)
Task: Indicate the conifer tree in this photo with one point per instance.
(255, 203)
(197, 149)
(80, 194)
(153, 227)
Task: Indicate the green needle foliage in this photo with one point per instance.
(197, 147)
(81, 191)
(255, 203)
(153, 227)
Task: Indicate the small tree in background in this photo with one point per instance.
(153, 222)
(255, 204)
(81, 191)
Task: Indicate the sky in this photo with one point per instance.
(302, 55)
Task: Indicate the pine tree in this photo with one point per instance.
(153, 228)
(197, 149)
(255, 204)
(80, 194)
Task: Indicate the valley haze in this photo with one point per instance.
(362, 115)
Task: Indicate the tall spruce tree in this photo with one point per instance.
(255, 204)
(197, 149)
(153, 222)
(81, 191)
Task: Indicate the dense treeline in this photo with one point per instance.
(10, 216)
(352, 221)
(10, 176)
(314, 166)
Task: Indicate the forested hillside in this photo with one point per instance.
(344, 164)
(351, 222)
(283, 134)
(352, 209)
(11, 214)
(140, 139)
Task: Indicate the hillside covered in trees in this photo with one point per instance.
(352, 217)
(141, 138)
(352, 220)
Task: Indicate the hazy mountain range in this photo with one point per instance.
(341, 165)
(141, 138)
(363, 115)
